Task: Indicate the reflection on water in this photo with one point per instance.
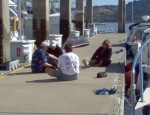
(111, 27)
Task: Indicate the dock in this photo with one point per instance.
(23, 92)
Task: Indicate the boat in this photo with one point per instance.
(134, 37)
(140, 92)
(54, 28)
(143, 83)
(100, 23)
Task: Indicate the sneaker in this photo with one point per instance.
(85, 62)
(103, 91)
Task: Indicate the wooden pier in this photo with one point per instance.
(26, 93)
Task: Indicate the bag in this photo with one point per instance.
(101, 74)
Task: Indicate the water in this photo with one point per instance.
(111, 27)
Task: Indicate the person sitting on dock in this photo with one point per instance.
(41, 59)
(68, 66)
(101, 57)
(55, 50)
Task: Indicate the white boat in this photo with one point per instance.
(143, 83)
(54, 21)
(100, 23)
(134, 36)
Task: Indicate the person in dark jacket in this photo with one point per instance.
(101, 57)
(55, 50)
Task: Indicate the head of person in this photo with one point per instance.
(53, 46)
(106, 44)
(44, 45)
(68, 48)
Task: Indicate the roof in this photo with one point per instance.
(12, 3)
(139, 24)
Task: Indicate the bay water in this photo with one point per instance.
(111, 27)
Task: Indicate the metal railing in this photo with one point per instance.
(133, 85)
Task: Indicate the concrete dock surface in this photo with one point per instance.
(24, 93)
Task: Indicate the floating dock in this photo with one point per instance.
(23, 92)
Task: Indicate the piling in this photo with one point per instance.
(89, 12)
(40, 20)
(120, 16)
(80, 16)
(4, 31)
(65, 19)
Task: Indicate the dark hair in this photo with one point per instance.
(68, 48)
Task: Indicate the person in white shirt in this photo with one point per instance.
(68, 66)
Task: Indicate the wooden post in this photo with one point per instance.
(89, 12)
(40, 21)
(80, 16)
(65, 19)
(4, 31)
(124, 15)
(120, 16)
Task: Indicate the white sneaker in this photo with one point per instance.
(85, 62)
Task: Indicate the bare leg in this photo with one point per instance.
(49, 71)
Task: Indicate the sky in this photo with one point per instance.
(107, 2)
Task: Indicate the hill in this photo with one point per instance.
(109, 13)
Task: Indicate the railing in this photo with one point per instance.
(133, 85)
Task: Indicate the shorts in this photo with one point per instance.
(59, 75)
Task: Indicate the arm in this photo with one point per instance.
(107, 54)
(52, 56)
(46, 64)
(96, 53)
(43, 58)
(59, 63)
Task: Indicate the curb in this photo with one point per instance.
(12, 72)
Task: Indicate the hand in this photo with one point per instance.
(52, 56)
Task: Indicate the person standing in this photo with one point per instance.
(68, 66)
(40, 59)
